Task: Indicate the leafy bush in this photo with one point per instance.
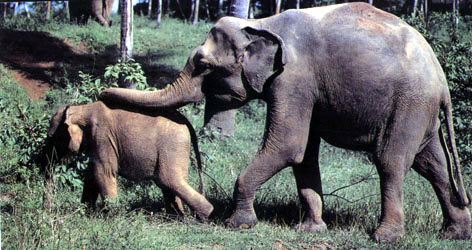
(453, 47)
(23, 127)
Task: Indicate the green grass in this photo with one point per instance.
(44, 213)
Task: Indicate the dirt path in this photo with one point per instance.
(33, 57)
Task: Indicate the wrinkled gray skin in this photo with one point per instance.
(100, 10)
(137, 146)
(356, 76)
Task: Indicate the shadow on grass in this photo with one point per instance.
(43, 57)
(285, 215)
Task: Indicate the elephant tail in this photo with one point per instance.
(457, 187)
(194, 138)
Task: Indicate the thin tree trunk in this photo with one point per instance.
(48, 10)
(159, 13)
(126, 29)
(65, 4)
(220, 7)
(297, 4)
(149, 8)
(252, 8)
(26, 10)
(455, 11)
(5, 7)
(371, 2)
(415, 6)
(239, 8)
(15, 6)
(425, 8)
(278, 5)
(196, 7)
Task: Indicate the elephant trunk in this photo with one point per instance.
(184, 90)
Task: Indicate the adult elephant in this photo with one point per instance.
(356, 76)
(82, 10)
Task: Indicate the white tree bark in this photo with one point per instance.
(278, 5)
(126, 29)
(239, 8)
(196, 7)
(159, 13)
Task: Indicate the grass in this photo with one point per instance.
(43, 213)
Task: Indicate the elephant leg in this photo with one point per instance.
(102, 20)
(173, 203)
(431, 164)
(284, 145)
(106, 181)
(393, 158)
(308, 178)
(173, 173)
(90, 192)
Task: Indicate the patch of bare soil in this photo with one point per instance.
(33, 57)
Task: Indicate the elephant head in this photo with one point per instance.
(65, 133)
(231, 67)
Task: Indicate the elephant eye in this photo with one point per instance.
(203, 65)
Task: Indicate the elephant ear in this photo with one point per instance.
(75, 132)
(56, 121)
(263, 56)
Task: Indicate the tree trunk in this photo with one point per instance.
(159, 13)
(15, 6)
(26, 10)
(4, 10)
(297, 4)
(149, 8)
(126, 35)
(239, 8)
(455, 11)
(371, 2)
(278, 5)
(196, 7)
(220, 7)
(48, 10)
(415, 6)
(252, 9)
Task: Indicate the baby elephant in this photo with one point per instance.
(135, 145)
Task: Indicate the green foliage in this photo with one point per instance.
(129, 71)
(453, 47)
(23, 129)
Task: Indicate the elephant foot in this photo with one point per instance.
(311, 226)
(242, 219)
(204, 213)
(457, 232)
(388, 233)
(458, 227)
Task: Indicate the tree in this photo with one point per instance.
(126, 29)
(278, 5)
(159, 13)
(239, 8)
(195, 8)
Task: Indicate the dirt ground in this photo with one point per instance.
(33, 57)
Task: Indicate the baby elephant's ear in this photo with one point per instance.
(264, 56)
(75, 132)
(56, 121)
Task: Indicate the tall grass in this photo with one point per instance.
(42, 213)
